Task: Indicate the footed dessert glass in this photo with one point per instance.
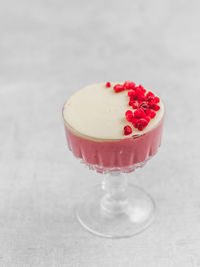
(114, 129)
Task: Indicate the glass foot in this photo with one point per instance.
(114, 218)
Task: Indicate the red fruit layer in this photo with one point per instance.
(116, 154)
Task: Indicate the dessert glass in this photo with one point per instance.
(116, 209)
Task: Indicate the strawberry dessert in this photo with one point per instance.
(114, 126)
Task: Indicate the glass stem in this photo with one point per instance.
(115, 199)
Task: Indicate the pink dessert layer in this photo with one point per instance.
(116, 155)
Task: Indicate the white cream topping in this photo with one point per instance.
(99, 113)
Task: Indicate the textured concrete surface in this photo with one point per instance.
(48, 50)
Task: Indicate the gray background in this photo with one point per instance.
(48, 50)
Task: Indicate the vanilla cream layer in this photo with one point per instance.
(99, 113)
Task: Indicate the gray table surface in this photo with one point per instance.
(48, 50)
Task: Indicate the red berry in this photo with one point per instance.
(129, 118)
(131, 93)
(150, 99)
(150, 113)
(153, 114)
(142, 88)
(151, 102)
(157, 99)
(139, 91)
(129, 85)
(141, 124)
(108, 84)
(134, 105)
(118, 88)
(127, 130)
(155, 107)
(128, 112)
(148, 118)
(129, 115)
(150, 94)
(131, 102)
(134, 122)
(141, 97)
(139, 113)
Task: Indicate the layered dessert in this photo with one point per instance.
(114, 126)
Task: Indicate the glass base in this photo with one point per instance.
(136, 213)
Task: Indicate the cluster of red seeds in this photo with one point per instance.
(145, 105)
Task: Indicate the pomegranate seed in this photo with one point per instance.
(129, 85)
(108, 84)
(127, 130)
(139, 113)
(118, 88)
(141, 124)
